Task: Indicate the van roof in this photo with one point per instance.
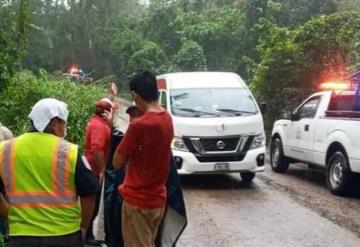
(202, 80)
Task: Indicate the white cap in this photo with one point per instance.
(45, 110)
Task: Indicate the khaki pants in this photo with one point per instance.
(140, 225)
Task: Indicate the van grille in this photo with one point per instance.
(219, 144)
(223, 144)
(214, 149)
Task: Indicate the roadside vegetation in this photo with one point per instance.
(25, 89)
(282, 48)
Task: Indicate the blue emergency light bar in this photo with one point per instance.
(355, 78)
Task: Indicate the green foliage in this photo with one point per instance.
(13, 20)
(330, 45)
(215, 33)
(161, 27)
(2, 241)
(295, 12)
(149, 57)
(191, 57)
(282, 47)
(120, 36)
(25, 90)
(294, 62)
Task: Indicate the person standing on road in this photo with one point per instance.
(97, 145)
(146, 150)
(43, 175)
(113, 200)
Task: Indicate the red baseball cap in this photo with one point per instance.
(106, 104)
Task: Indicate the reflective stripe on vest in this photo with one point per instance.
(59, 194)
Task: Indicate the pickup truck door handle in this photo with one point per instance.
(306, 127)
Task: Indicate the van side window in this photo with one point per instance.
(308, 110)
(163, 102)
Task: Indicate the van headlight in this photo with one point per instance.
(178, 144)
(258, 141)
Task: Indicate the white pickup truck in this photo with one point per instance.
(324, 130)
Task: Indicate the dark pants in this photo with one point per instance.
(112, 209)
(73, 240)
(112, 199)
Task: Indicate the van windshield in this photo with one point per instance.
(212, 102)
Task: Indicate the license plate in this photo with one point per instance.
(222, 167)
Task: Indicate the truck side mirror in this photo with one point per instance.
(263, 107)
(294, 117)
(286, 115)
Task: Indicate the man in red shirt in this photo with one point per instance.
(146, 150)
(97, 144)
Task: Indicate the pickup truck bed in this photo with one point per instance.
(343, 114)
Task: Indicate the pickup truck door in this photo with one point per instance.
(306, 126)
(291, 142)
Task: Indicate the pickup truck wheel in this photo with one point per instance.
(247, 177)
(338, 174)
(279, 163)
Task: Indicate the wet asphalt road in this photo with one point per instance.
(277, 210)
(292, 209)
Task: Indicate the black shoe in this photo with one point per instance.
(92, 242)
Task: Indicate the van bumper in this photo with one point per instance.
(187, 163)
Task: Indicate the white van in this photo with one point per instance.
(218, 124)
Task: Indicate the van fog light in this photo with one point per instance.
(260, 160)
(178, 162)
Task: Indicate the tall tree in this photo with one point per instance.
(14, 20)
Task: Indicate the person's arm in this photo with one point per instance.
(87, 204)
(87, 186)
(99, 159)
(3, 207)
(3, 202)
(126, 147)
(119, 161)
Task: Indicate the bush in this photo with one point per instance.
(24, 90)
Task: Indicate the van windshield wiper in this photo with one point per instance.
(180, 96)
(196, 111)
(236, 112)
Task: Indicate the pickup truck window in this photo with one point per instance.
(308, 110)
(342, 102)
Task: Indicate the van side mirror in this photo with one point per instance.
(263, 107)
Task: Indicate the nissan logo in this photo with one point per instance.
(220, 145)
